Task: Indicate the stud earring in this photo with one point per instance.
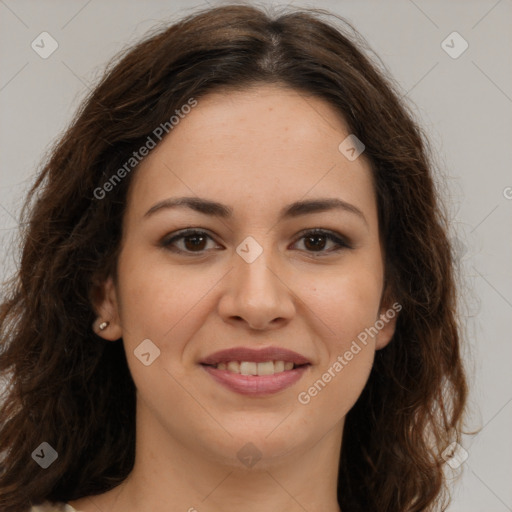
(103, 326)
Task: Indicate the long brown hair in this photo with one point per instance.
(68, 387)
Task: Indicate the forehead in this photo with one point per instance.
(258, 148)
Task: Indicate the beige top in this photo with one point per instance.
(49, 506)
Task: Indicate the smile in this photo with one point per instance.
(256, 379)
(254, 368)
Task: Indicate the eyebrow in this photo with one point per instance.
(223, 211)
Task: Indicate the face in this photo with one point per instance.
(253, 273)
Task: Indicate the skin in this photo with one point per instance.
(255, 151)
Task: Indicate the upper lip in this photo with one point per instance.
(255, 355)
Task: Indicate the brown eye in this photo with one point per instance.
(190, 241)
(193, 242)
(316, 241)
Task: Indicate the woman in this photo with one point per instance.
(236, 288)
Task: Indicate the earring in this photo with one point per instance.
(103, 326)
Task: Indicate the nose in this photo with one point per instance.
(257, 295)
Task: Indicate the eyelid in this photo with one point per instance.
(183, 233)
(342, 242)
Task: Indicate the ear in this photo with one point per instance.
(106, 306)
(386, 322)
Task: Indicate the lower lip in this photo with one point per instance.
(256, 385)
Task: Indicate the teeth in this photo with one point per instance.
(279, 366)
(266, 368)
(248, 368)
(233, 366)
(252, 368)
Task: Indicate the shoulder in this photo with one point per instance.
(49, 506)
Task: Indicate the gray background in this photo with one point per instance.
(464, 103)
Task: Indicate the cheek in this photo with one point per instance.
(346, 301)
(330, 394)
(163, 302)
(346, 304)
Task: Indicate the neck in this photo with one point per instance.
(172, 476)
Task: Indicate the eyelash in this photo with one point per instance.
(341, 242)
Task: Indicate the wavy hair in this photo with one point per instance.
(67, 387)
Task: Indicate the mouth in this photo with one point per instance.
(250, 384)
(256, 372)
(256, 369)
(249, 355)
